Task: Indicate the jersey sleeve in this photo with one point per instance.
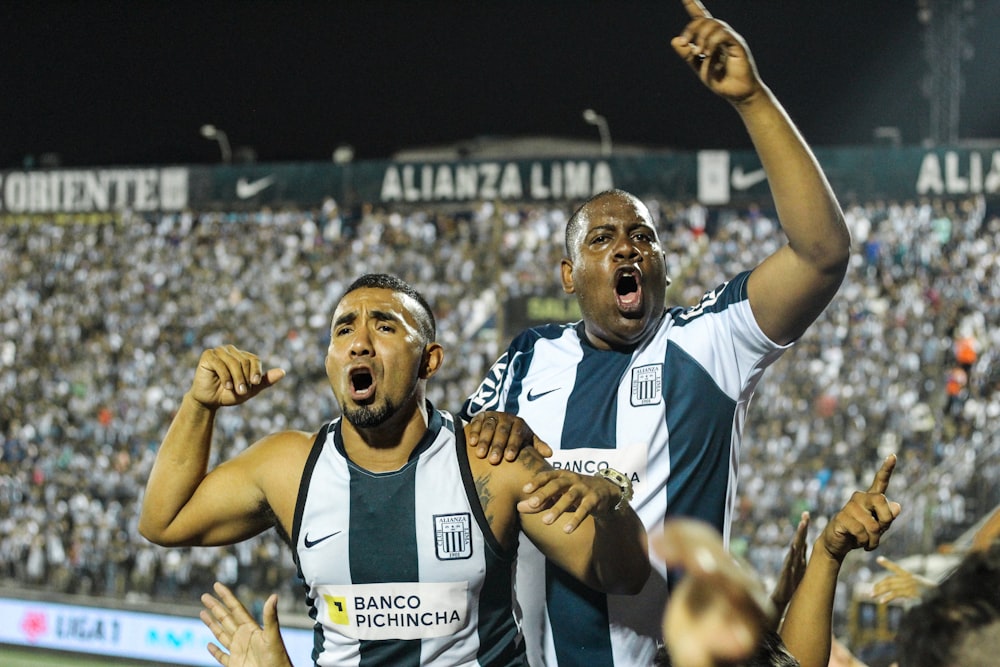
(489, 394)
(723, 336)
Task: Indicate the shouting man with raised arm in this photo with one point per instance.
(661, 393)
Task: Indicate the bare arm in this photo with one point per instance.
(601, 546)
(572, 520)
(791, 287)
(807, 628)
(184, 504)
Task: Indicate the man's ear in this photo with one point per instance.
(566, 270)
(433, 358)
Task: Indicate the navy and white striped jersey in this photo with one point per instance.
(402, 568)
(670, 414)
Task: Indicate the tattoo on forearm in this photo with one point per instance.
(532, 461)
(485, 495)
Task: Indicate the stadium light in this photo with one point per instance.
(343, 154)
(213, 133)
(594, 118)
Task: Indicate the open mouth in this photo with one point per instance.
(362, 384)
(628, 292)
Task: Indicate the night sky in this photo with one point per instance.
(130, 83)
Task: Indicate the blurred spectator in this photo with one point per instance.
(89, 308)
(956, 623)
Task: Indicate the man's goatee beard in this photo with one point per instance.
(368, 416)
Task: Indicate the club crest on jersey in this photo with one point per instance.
(647, 385)
(453, 536)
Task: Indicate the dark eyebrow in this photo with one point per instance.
(599, 228)
(379, 315)
(611, 228)
(385, 316)
(346, 318)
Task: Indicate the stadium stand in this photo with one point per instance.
(103, 316)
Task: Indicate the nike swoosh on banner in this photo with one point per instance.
(246, 189)
(535, 397)
(311, 543)
(745, 181)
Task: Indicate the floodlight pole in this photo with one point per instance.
(594, 118)
(211, 132)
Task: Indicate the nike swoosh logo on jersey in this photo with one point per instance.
(311, 543)
(246, 189)
(535, 397)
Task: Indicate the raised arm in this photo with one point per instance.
(184, 504)
(791, 287)
(860, 524)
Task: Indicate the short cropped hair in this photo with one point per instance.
(576, 224)
(426, 321)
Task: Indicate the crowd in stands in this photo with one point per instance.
(103, 319)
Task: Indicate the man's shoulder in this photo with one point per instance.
(716, 301)
(728, 292)
(529, 337)
(547, 340)
(286, 447)
(290, 438)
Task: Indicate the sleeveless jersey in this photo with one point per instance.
(401, 568)
(669, 414)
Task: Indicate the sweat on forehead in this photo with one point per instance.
(579, 222)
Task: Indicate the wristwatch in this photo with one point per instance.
(621, 480)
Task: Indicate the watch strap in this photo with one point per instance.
(621, 480)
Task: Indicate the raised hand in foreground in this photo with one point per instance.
(244, 643)
(718, 612)
(792, 570)
(901, 584)
(861, 523)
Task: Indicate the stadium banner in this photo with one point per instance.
(715, 178)
(94, 190)
(157, 638)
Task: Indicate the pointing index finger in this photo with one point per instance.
(881, 482)
(696, 10)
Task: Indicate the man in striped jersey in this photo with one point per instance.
(662, 393)
(405, 544)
